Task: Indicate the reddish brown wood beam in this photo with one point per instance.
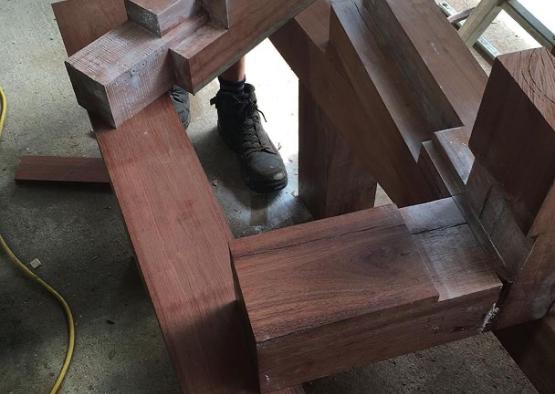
(180, 237)
(160, 16)
(128, 68)
(328, 295)
(61, 170)
(382, 152)
(332, 181)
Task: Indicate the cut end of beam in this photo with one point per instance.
(160, 16)
(123, 71)
(186, 57)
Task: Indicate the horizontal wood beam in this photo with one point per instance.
(346, 291)
(125, 70)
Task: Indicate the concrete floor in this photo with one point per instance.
(78, 235)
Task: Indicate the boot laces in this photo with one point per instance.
(249, 120)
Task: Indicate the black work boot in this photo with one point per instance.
(240, 126)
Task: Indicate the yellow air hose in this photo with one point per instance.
(19, 264)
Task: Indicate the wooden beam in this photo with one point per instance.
(512, 184)
(523, 163)
(343, 292)
(61, 170)
(125, 70)
(399, 120)
(152, 165)
(107, 14)
(117, 75)
(200, 59)
(331, 179)
(160, 16)
(304, 44)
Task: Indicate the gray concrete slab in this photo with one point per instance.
(78, 235)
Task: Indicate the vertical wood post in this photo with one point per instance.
(511, 187)
(331, 181)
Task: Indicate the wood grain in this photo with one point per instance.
(291, 295)
(61, 170)
(514, 138)
(180, 237)
(106, 14)
(458, 262)
(160, 16)
(308, 277)
(303, 43)
(331, 179)
(452, 144)
(196, 65)
(117, 75)
(433, 168)
(125, 70)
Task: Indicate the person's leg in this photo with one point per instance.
(240, 126)
(235, 73)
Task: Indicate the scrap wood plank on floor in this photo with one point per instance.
(62, 170)
(164, 197)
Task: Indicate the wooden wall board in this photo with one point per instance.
(152, 165)
(314, 343)
(61, 170)
(126, 69)
(332, 182)
(303, 42)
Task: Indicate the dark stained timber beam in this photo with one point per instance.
(512, 184)
(334, 294)
(353, 65)
(303, 43)
(332, 181)
(125, 70)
